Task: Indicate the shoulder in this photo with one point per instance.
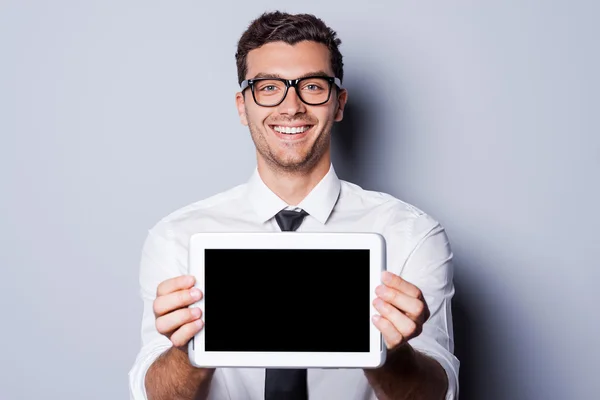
(211, 206)
(410, 234)
(396, 216)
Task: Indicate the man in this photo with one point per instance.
(290, 71)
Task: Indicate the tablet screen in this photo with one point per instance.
(279, 300)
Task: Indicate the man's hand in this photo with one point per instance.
(402, 310)
(172, 376)
(407, 373)
(173, 317)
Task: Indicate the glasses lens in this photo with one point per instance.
(314, 90)
(268, 92)
(311, 90)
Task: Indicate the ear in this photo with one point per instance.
(241, 107)
(342, 98)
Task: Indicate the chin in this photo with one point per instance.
(295, 164)
(292, 163)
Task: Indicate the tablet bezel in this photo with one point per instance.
(373, 242)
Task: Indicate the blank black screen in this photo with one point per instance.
(287, 300)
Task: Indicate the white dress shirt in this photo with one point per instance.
(417, 250)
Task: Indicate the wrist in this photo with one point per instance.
(400, 359)
(181, 357)
(407, 371)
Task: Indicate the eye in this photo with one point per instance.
(314, 85)
(268, 88)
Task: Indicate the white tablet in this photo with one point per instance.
(287, 299)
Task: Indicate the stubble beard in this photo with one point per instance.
(290, 165)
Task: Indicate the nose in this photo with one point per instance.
(292, 104)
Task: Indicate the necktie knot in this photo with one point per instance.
(290, 220)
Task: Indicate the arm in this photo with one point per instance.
(172, 377)
(408, 374)
(415, 316)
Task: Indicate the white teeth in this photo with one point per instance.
(291, 130)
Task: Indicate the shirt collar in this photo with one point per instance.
(318, 203)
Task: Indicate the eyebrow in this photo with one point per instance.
(262, 75)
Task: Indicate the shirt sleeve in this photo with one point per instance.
(421, 254)
(157, 264)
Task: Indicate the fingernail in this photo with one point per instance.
(199, 323)
(195, 312)
(376, 318)
(386, 277)
(195, 293)
(380, 290)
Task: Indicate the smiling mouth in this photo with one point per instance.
(291, 130)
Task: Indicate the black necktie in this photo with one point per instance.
(287, 384)
(289, 220)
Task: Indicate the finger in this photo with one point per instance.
(173, 301)
(174, 320)
(175, 284)
(414, 308)
(394, 281)
(391, 336)
(183, 335)
(401, 323)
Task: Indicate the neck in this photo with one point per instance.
(293, 186)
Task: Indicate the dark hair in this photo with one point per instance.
(289, 28)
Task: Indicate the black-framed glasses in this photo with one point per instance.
(312, 90)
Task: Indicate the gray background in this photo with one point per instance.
(483, 114)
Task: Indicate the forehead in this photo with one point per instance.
(288, 61)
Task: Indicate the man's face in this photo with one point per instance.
(290, 152)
